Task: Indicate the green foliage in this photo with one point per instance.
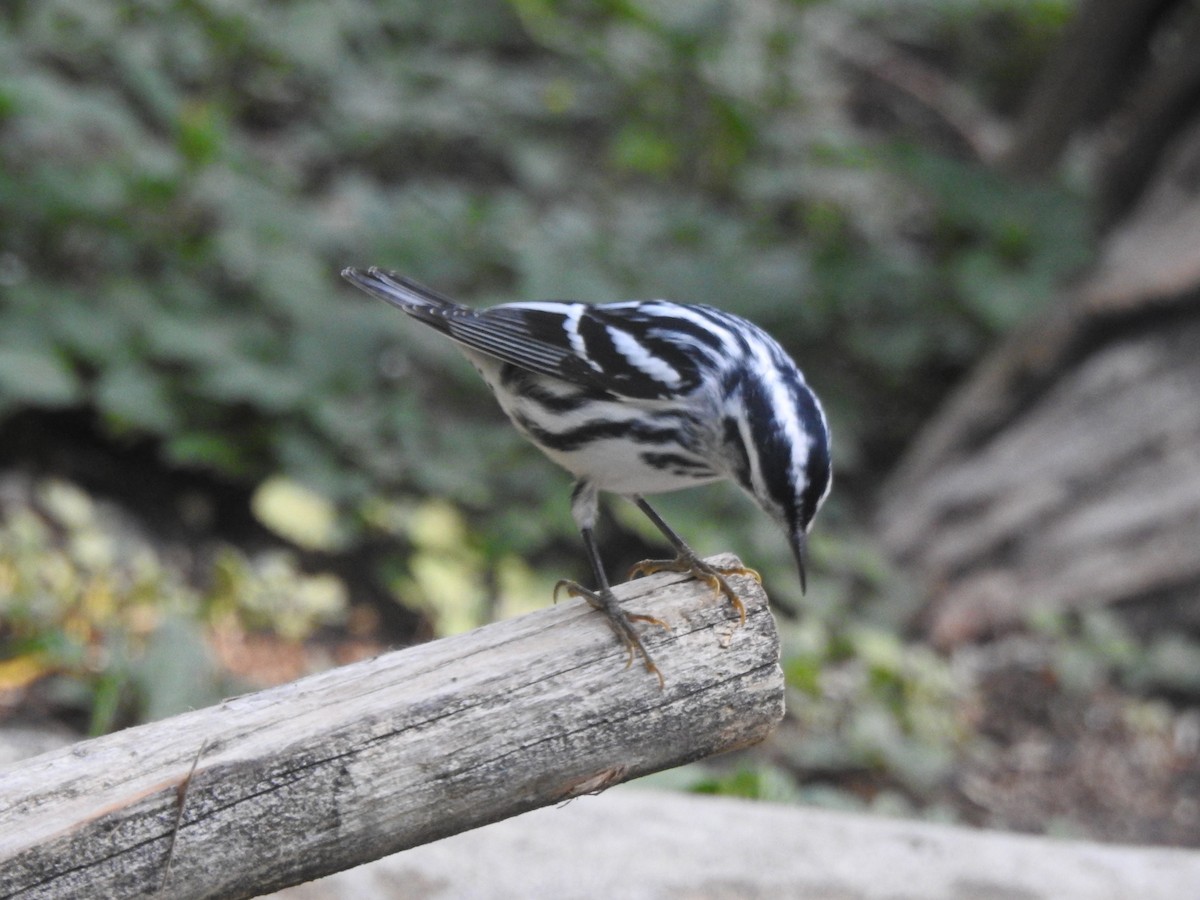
(106, 621)
(752, 783)
(865, 700)
(1093, 648)
(180, 183)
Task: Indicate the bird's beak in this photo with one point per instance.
(800, 550)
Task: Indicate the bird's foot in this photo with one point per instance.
(620, 621)
(713, 576)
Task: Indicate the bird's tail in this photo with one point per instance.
(402, 292)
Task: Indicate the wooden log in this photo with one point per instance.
(359, 762)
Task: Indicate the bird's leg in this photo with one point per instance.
(688, 561)
(603, 599)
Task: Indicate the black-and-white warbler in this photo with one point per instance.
(642, 397)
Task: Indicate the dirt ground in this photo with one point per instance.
(1108, 765)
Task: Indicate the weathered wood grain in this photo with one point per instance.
(1065, 473)
(353, 764)
(1089, 498)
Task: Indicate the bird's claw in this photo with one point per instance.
(713, 576)
(620, 621)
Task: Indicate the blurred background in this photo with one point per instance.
(974, 223)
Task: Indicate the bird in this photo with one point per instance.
(643, 397)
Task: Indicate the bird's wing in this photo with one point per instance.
(507, 337)
(629, 349)
(632, 349)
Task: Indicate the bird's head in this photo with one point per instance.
(777, 440)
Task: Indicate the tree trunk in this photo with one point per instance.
(1066, 472)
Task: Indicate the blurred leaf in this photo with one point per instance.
(207, 450)
(133, 396)
(639, 149)
(19, 671)
(761, 783)
(296, 512)
(201, 136)
(175, 672)
(35, 378)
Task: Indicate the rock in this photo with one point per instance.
(643, 845)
